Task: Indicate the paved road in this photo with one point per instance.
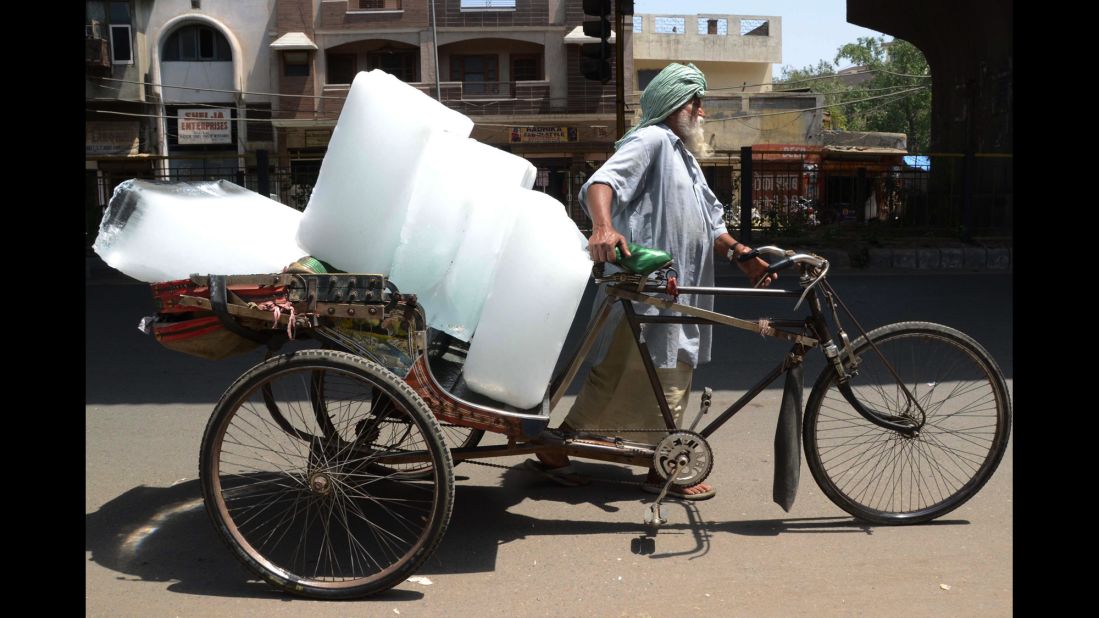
(518, 546)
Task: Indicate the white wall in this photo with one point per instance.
(246, 24)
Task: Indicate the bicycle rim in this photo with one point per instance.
(313, 510)
(882, 476)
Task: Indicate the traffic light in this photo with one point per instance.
(595, 58)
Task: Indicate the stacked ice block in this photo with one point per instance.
(404, 192)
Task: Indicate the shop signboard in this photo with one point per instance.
(212, 125)
(542, 135)
(112, 137)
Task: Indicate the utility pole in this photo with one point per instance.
(619, 68)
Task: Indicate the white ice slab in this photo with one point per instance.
(165, 231)
(359, 204)
(454, 175)
(530, 305)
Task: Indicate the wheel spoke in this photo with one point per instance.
(293, 459)
(888, 477)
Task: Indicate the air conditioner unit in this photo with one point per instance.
(97, 54)
(94, 30)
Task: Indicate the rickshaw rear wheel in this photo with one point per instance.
(321, 509)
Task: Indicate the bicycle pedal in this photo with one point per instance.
(654, 515)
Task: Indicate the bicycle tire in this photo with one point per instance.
(303, 509)
(883, 477)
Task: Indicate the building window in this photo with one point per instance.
(669, 25)
(341, 68)
(378, 5)
(118, 17)
(295, 64)
(755, 27)
(478, 74)
(197, 44)
(526, 67)
(709, 25)
(637, 21)
(121, 51)
(644, 76)
(487, 5)
(402, 64)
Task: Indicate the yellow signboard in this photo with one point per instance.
(542, 135)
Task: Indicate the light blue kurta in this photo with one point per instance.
(661, 200)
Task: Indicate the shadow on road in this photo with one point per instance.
(163, 534)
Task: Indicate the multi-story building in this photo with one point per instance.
(209, 75)
(176, 89)
(513, 66)
(118, 129)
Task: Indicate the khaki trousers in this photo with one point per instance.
(617, 393)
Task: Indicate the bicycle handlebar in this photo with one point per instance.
(789, 258)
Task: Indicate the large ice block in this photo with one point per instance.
(157, 231)
(359, 204)
(530, 305)
(454, 173)
(454, 305)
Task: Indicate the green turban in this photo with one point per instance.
(667, 92)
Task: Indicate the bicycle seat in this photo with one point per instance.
(642, 260)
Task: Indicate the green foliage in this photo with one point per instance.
(896, 99)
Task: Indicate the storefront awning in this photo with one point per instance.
(577, 37)
(293, 41)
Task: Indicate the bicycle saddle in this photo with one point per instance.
(643, 260)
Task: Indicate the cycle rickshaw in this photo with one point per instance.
(329, 471)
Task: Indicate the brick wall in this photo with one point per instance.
(526, 13)
(413, 14)
(294, 16)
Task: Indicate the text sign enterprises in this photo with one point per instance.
(205, 126)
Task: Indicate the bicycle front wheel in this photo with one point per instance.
(886, 477)
(301, 474)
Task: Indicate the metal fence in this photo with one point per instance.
(792, 190)
(790, 193)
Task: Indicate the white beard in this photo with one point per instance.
(693, 135)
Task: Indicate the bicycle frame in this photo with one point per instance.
(622, 294)
(805, 334)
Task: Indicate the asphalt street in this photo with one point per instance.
(517, 545)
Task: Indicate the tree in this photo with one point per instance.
(902, 79)
(896, 99)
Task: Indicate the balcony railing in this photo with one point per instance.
(470, 98)
(490, 90)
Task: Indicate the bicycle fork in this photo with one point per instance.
(904, 424)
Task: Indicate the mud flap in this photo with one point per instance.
(788, 440)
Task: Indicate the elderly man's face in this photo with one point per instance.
(687, 123)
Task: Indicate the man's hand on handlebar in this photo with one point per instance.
(756, 269)
(751, 264)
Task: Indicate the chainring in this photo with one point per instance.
(685, 444)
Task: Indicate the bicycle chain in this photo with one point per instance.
(594, 479)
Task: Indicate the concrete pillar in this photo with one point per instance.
(427, 59)
(556, 69)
